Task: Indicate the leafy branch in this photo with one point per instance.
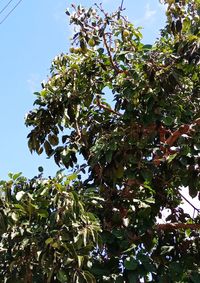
(177, 226)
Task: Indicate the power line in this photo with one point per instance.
(5, 6)
(12, 10)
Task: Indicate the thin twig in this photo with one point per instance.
(101, 9)
(110, 55)
(189, 202)
(78, 129)
(109, 109)
(121, 6)
(105, 107)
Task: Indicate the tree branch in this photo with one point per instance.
(165, 228)
(170, 141)
(184, 129)
(176, 226)
(110, 55)
(105, 107)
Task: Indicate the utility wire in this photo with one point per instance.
(12, 10)
(5, 6)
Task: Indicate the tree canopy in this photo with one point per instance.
(123, 117)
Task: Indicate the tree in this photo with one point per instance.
(130, 112)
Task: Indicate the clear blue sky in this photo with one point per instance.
(30, 38)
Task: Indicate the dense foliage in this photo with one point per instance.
(46, 229)
(124, 117)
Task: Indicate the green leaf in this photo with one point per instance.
(109, 156)
(147, 174)
(72, 177)
(188, 232)
(195, 277)
(166, 249)
(89, 278)
(147, 47)
(171, 157)
(132, 277)
(49, 241)
(119, 279)
(168, 121)
(48, 148)
(130, 263)
(16, 176)
(43, 213)
(62, 276)
(53, 139)
(80, 260)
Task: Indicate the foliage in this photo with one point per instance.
(48, 233)
(131, 111)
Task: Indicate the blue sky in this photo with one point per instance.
(31, 37)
